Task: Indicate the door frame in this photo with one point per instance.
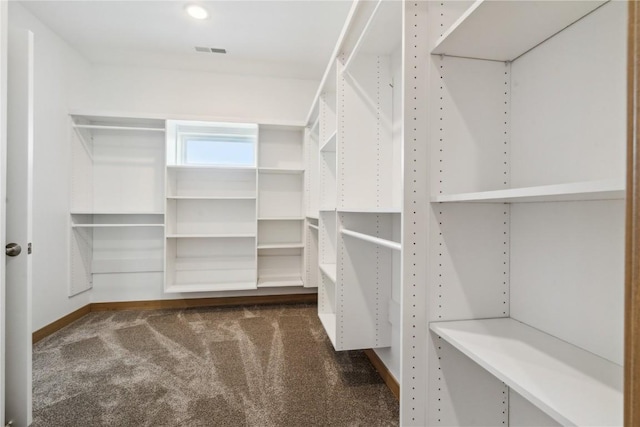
(4, 35)
(632, 249)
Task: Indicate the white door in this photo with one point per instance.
(18, 331)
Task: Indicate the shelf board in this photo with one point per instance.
(313, 217)
(114, 225)
(210, 168)
(330, 143)
(286, 171)
(315, 227)
(589, 190)
(573, 386)
(370, 210)
(208, 236)
(279, 281)
(114, 213)
(281, 246)
(107, 127)
(328, 321)
(372, 239)
(516, 27)
(330, 270)
(293, 218)
(210, 198)
(210, 287)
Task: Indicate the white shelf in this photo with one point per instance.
(330, 270)
(370, 210)
(210, 168)
(282, 171)
(210, 198)
(313, 217)
(315, 227)
(293, 218)
(372, 239)
(240, 286)
(516, 27)
(328, 320)
(281, 246)
(114, 213)
(125, 128)
(330, 143)
(573, 386)
(208, 236)
(590, 190)
(114, 225)
(279, 282)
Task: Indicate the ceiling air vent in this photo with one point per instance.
(210, 49)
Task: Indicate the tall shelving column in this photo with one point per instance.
(312, 204)
(415, 221)
(369, 185)
(358, 118)
(116, 212)
(281, 218)
(524, 293)
(327, 232)
(211, 213)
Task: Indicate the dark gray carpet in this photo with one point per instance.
(246, 366)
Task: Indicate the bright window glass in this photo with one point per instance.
(219, 144)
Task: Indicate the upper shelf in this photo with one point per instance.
(281, 170)
(573, 386)
(210, 168)
(117, 123)
(370, 210)
(504, 30)
(122, 128)
(588, 190)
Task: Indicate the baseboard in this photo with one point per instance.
(44, 332)
(384, 372)
(60, 323)
(205, 302)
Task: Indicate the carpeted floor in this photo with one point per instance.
(253, 366)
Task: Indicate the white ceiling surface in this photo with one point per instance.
(290, 39)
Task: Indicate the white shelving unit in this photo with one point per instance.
(358, 146)
(281, 221)
(223, 224)
(116, 212)
(516, 317)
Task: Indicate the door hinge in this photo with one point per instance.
(29, 249)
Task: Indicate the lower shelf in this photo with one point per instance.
(210, 287)
(330, 270)
(328, 320)
(279, 282)
(573, 386)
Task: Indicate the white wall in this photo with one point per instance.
(65, 82)
(61, 75)
(180, 93)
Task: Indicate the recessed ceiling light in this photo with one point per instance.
(197, 12)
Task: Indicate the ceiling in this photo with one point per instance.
(292, 39)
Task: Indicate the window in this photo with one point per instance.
(216, 144)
